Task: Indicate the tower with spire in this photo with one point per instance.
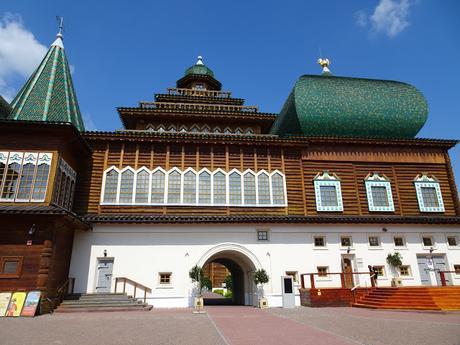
(49, 94)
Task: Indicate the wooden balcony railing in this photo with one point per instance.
(198, 107)
(135, 285)
(196, 92)
(342, 277)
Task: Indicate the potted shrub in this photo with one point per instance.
(395, 262)
(261, 278)
(196, 275)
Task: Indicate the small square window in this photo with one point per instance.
(457, 269)
(293, 274)
(380, 270)
(322, 271)
(319, 242)
(345, 241)
(427, 241)
(404, 271)
(398, 241)
(165, 278)
(11, 266)
(452, 241)
(262, 235)
(374, 241)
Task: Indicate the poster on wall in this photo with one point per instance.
(31, 303)
(4, 301)
(16, 303)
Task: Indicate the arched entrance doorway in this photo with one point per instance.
(241, 263)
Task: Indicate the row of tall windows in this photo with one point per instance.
(24, 176)
(379, 195)
(189, 187)
(65, 185)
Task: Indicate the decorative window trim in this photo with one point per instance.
(423, 180)
(326, 179)
(324, 246)
(197, 201)
(375, 180)
(409, 271)
(168, 284)
(22, 158)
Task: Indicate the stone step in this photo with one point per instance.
(102, 309)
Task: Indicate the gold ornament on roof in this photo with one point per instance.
(324, 63)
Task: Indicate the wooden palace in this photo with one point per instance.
(318, 193)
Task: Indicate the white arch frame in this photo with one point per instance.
(198, 188)
(183, 186)
(275, 172)
(241, 187)
(264, 172)
(165, 174)
(128, 168)
(170, 171)
(214, 173)
(149, 173)
(229, 247)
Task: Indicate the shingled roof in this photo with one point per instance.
(49, 94)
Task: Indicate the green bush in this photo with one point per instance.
(395, 259)
(229, 282)
(228, 294)
(206, 282)
(261, 277)
(219, 291)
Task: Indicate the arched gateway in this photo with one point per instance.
(242, 264)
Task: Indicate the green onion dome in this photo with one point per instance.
(199, 69)
(326, 105)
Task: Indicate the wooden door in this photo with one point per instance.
(348, 270)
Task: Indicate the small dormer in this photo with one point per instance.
(199, 77)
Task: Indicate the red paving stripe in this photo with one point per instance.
(252, 326)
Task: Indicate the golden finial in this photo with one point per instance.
(324, 63)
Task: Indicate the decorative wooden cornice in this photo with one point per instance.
(169, 219)
(198, 107)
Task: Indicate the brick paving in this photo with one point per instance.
(234, 325)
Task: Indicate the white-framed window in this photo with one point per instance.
(263, 188)
(249, 182)
(164, 278)
(189, 187)
(142, 187)
(262, 235)
(220, 188)
(234, 188)
(380, 271)
(428, 241)
(328, 192)
(346, 241)
(319, 241)
(158, 186)
(374, 241)
(399, 241)
(24, 176)
(452, 241)
(428, 194)
(204, 187)
(126, 186)
(379, 196)
(189, 193)
(405, 271)
(174, 186)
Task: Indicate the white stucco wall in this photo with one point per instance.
(140, 252)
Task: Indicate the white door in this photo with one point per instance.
(104, 275)
(424, 270)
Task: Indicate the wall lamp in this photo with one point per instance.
(32, 230)
(105, 253)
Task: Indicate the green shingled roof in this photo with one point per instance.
(4, 108)
(49, 94)
(199, 69)
(354, 107)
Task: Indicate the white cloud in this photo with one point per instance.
(390, 17)
(20, 53)
(89, 122)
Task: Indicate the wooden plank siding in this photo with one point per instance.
(300, 166)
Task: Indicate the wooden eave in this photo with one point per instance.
(191, 99)
(24, 210)
(211, 81)
(261, 139)
(171, 219)
(129, 116)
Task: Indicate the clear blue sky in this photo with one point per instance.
(125, 52)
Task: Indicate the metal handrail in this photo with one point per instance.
(442, 276)
(342, 277)
(135, 284)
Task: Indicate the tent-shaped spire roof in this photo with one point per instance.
(49, 94)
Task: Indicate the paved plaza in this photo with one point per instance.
(236, 326)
